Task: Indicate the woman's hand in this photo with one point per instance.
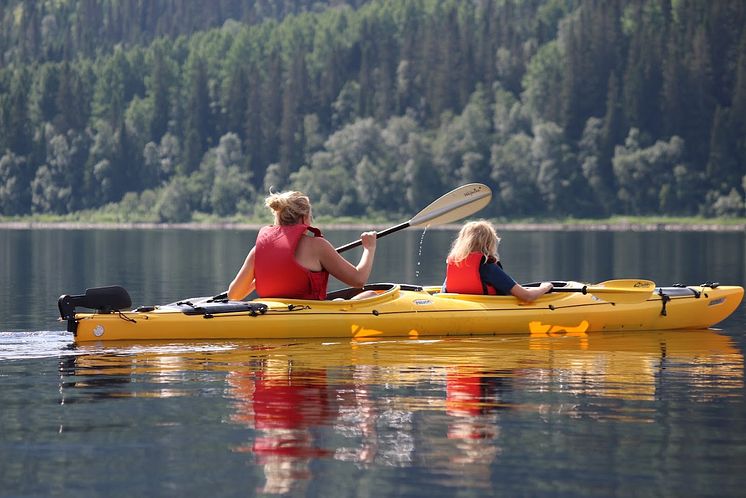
(529, 294)
(369, 240)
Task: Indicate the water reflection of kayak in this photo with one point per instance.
(617, 364)
(404, 311)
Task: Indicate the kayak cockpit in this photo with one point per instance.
(209, 306)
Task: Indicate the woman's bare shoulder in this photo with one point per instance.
(320, 243)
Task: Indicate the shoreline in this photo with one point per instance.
(611, 226)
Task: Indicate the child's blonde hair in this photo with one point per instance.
(289, 207)
(475, 236)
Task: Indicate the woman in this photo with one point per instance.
(473, 266)
(291, 259)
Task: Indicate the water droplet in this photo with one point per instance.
(419, 256)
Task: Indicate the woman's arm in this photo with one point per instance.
(343, 270)
(244, 282)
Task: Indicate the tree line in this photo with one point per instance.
(564, 107)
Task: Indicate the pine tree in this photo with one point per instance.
(198, 119)
(16, 120)
(271, 109)
(253, 131)
(291, 123)
(160, 88)
(236, 100)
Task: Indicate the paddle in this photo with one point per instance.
(456, 204)
(623, 290)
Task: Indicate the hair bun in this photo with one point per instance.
(289, 207)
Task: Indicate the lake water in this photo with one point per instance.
(608, 414)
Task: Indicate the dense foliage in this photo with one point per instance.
(564, 107)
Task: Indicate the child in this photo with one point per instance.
(473, 266)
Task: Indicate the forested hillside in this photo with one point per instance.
(154, 110)
(54, 30)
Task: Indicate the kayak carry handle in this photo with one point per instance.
(223, 296)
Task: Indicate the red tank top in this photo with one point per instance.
(276, 270)
(464, 278)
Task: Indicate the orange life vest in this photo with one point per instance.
(464, 278)
(276, 270)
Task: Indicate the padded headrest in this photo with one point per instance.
(111, 298)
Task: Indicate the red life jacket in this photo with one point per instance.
(464, 278)
(276, 270)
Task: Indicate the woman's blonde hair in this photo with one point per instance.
(475, 236)
(289, 207)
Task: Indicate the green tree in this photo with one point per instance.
(103, 178)
(160, 86)
(345, 107)
(540, 84)
(510, 115)
(73, 97)
(198, 125)
(15, 121)
(413, 180)
(173, 205)
(590, 158)
(514, 174)
(291, 124)
(110, 92)
(558, 180)
(232, 183)
(730, 205)
(589, 39)
(645, 173)
(15, 195)
(469, 133)
(52, 186)
(45, 90)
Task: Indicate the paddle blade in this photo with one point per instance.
(455, 205)
(623, 290)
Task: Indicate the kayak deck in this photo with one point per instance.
(410, 311)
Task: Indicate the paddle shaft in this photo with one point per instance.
(382, 233)
(582, 290)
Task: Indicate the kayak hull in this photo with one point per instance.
(406, 311)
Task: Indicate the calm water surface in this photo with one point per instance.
(609, 414)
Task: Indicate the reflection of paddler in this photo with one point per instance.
(282, 404)
(464, 394)
(471, 399)
(290, 403)
(282, 407)
(470, 396)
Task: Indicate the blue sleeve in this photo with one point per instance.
(495, 276)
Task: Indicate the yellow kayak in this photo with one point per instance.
(404, 311)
